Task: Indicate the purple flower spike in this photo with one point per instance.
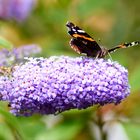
(25, 51)
(16, 55)
(16, 9)
(57, 84)
(5, 88)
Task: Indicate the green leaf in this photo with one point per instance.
(5, 44)
(65, 131)
(11, 122)
(4, 130)
(133, 131)
(32, 126)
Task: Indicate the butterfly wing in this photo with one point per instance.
(81, 42)
(124, 45)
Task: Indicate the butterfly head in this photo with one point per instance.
(73, 30)
(70, 25)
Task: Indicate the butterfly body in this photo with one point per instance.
(83, 43)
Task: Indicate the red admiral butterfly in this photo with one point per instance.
(83, 43)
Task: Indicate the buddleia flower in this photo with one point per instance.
(56, 84)
(5, 83)
(16, 9)
(25, 51)
(16, 55)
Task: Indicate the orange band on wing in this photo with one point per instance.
(122, 46)
(81, 36)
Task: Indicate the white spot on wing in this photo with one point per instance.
(73, 29)
(81, 31)
(133, 43)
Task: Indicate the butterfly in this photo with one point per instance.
(83, 43)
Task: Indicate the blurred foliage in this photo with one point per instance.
(132, 130)
(5, 43)
(114, 22)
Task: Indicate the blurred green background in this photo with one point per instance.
(113, 22)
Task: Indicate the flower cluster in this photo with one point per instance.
(5, 57)
(56, 84)
(25, 51)
(16, 55)
(15, 9)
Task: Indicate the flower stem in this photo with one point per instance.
(100, 123)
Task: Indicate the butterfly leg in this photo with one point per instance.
(97, 56)
(110, 56)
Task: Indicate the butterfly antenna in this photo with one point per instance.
(125, 45)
